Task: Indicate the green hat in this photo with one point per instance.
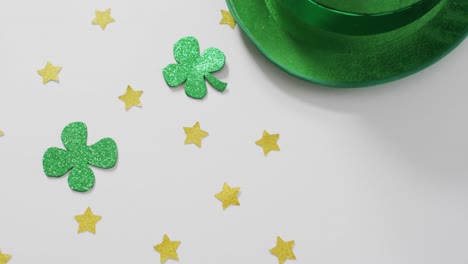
(352, 43)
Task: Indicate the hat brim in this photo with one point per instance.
(343, 61)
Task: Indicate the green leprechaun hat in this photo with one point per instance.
(352, 43)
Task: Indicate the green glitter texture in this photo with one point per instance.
(193, 68)
(77, 156)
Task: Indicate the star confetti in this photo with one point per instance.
(193, 68)
(227, 19)
(77, 155)
(268, 142)
(131, 98)
(49, 73)
(283, 250)
(167, 249)
(1, 133)
(228, 196)
(103, 18)
(195, 134)
(87, 221)
(4, 258)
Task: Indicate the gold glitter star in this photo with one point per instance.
(1, 133)
(268, 142)
(103, 18)
(49, 73)
(131, 98)
(227, 19)
(167, 249)
(195, 134)
(228, 196)
(4, 258)
(87, 221)
(283, 250)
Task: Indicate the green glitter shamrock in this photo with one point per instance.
(193, 68)
(57, 162)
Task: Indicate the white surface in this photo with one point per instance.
(364, 176)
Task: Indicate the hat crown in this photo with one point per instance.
(367, 6)
(300, 16)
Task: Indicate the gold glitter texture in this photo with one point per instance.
(228, 196)
(195, 135)
(103, 18)
(131, 98)
(87, 221)
(49, 73)
(227, 19)
(268, 142)
(167, 249)
(4, 258)
(283, 250)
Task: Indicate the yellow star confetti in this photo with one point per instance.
(49, 73)
(1, 133)
(228, 196)
(283, 250)
(227, 19)
(167, 249)
(4, 258)
(268, 142)
(87, 221)
(131, 98)
(195, 134)
(103, 18)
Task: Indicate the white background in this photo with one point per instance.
(364, 176)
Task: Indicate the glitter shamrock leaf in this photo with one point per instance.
(193, 68)
(77, 156)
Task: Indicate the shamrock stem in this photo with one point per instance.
(217, 84)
